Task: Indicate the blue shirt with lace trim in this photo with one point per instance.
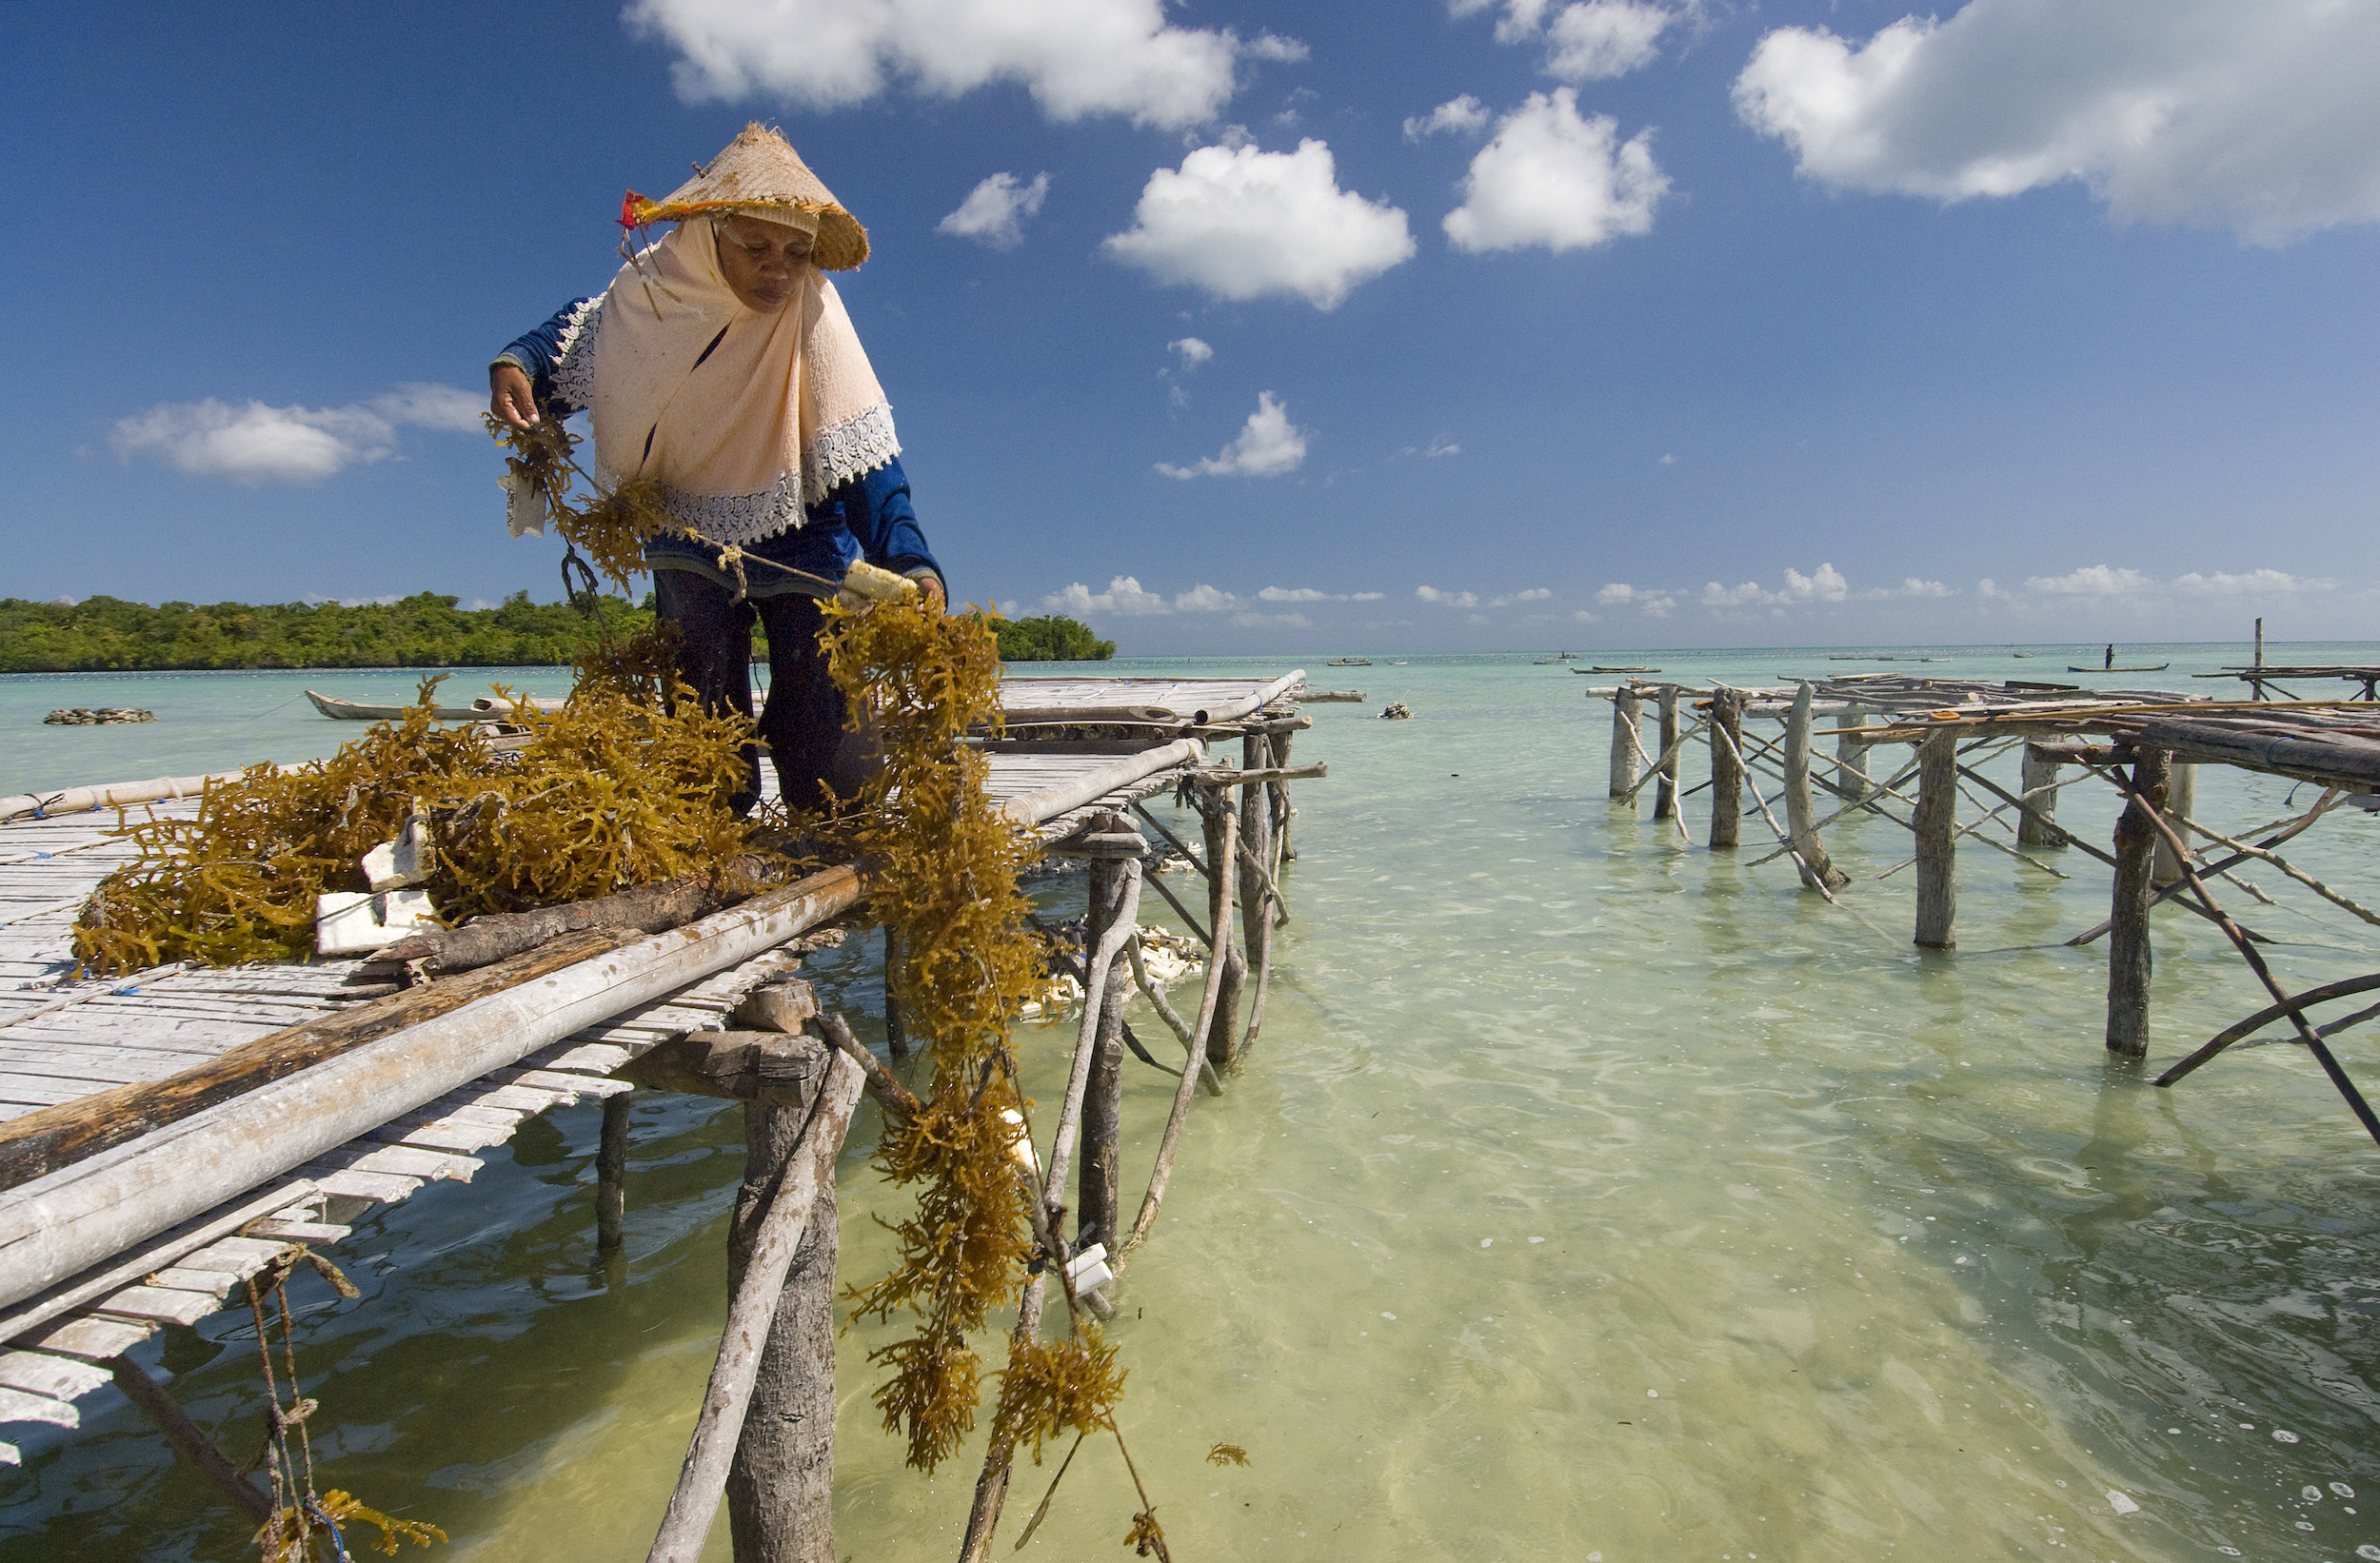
(870, 517)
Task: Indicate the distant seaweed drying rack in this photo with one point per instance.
(2147, 743)
(274, 1105)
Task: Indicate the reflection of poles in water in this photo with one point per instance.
(2110, 665)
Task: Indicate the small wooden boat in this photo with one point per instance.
(2151, 667)
(1351, 661)
(1554, 661)
(1600, 669)
(347, 710)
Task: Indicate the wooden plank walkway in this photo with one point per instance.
(62, 1038)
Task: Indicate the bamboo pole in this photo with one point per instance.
(191, 1440)
(1817, 872)
(1727, 770)
(1936, 823)
(719, 1426)
(1209, 1004)
(2036, 822)
(1096, 1214)
(1665, 795)
(1627, 747)
(2128, 956)
(1279, 792)
(781, 1484)
(1179, 1027)
(611, 1174)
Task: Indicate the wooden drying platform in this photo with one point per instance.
(2147, 743)
(163, 1228)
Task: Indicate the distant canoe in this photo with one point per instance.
(347, 710)
(2152, 668)
(1351, 661)
(1614, 670)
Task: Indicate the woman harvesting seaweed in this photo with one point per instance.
(731, 395)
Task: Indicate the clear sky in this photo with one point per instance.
(1249, 326)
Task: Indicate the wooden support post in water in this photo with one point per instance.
(1627, 749)
(1801, 814)
(791, 1477)
(780, 1487)
(1223, 1033)
(611, 1174)
(2181, 802)
(2037, 818)
(1104, 1098)
(1727, 769)
(1936, 820)
(1256, 898)
(2127, 933)
(191, 1440)
(1851, 760)
(1665, 792)
(1282, 851)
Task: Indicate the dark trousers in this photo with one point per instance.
(805, 714)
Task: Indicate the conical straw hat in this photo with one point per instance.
(759, 174)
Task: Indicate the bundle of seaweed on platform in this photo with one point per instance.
(611, 791)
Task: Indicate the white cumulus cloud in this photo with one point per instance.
(2091, 580)
(1534, 594)
(994, 210)
(2263, 582)
(1552, 178)
(1243, 224)
(1309, 594)
(2262, 118)
(1125, 597)
(1464, 114)
(1587, 40)
(1451, 599)
(251, 442)
(1192, 351)
(1603, 38)
(1269, 444)
(1076, 57)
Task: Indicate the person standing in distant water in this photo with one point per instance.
(720, 363)
(2108, 665)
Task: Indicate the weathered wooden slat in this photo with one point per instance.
(240, 1256)
(214, 1283)
(170, 1304)
(594, 1057)
(381, 1188)
(17, 1406)
(92, 1339)
(569, 1087)
(300, 1232)
(59, 1377)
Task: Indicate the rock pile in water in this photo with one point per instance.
(84, 715)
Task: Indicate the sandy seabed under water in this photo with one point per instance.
(1589, 1197)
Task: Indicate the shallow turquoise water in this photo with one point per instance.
(1589, 1195)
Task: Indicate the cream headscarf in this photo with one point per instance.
(742, 417)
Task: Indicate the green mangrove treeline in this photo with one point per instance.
(106, 634)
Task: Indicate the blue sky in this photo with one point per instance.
(1255, 327)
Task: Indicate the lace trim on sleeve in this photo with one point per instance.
(850, 449)
(574, 359)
